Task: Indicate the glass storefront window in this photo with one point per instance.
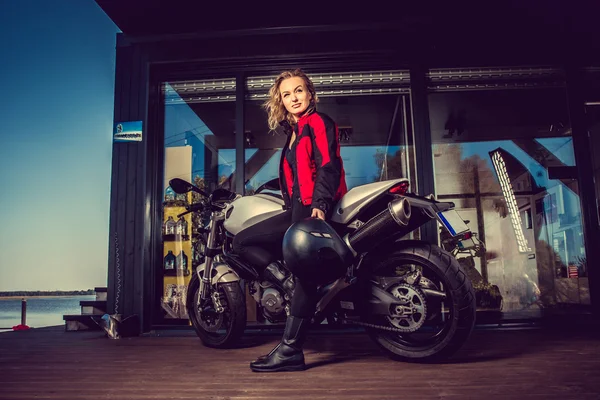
(496, 154)
(374, 144)
(370, 109)
(373, 136)
(199, 124)
(263, 148)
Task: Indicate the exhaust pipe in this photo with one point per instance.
(380, 227)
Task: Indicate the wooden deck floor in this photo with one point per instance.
(496, 364)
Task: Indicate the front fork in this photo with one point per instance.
(211, 250)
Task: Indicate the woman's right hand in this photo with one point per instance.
(316, 213)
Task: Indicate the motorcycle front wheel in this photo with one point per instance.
(218, 330)
(438, 309)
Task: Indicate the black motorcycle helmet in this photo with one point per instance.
(313, 251)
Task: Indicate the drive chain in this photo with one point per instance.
(380, 327)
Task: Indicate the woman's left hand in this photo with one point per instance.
(316, 213)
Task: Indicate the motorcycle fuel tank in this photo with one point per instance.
(249, 210)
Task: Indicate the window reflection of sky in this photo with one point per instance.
(562, 148)
(181, 121)
(359, 164)
(183, 127)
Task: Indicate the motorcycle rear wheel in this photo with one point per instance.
(217, 330)
(453, 326)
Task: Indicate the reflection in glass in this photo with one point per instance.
(509, 199)
(199, 122)
(492, 155)
(374, 144)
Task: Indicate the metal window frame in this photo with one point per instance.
(332, 84)
(494, 78)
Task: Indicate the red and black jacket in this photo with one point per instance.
(321, 176)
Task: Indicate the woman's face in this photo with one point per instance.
(295, 96)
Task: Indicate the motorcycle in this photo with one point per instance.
(412, 297)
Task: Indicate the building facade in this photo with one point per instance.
(493, 121)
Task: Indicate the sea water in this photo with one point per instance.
(41, 311)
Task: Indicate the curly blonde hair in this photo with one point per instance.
(274, 105)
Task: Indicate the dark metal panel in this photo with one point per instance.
(119, 181)
(240, 164)
(138, 113)
(422, 141)
(129, 228)
(447, 34)
(280, 45)
(149, 225)
(210, 173)
(587, 195)
(159, 18)
(480, 223)
(129, 270)
(187, 66)
(155, 173)
(408, 138)
(113, 243)
(125, 239)
(131, 197)
(336, 43)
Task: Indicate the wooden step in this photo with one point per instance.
(101, 293)
(90, 310)
(93, 307)
(80, 323)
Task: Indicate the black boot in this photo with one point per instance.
(288, 355)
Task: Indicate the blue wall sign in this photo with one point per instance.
(127, 131)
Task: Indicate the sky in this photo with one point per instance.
(57, 78)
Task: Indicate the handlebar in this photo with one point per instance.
(191, 208)
(200, 206)
(182, 214)
(215, 200)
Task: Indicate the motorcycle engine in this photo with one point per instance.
(273, 303)
(274, 292)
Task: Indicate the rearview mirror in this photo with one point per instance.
(180, 186)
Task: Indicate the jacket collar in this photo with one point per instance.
(304, 117)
